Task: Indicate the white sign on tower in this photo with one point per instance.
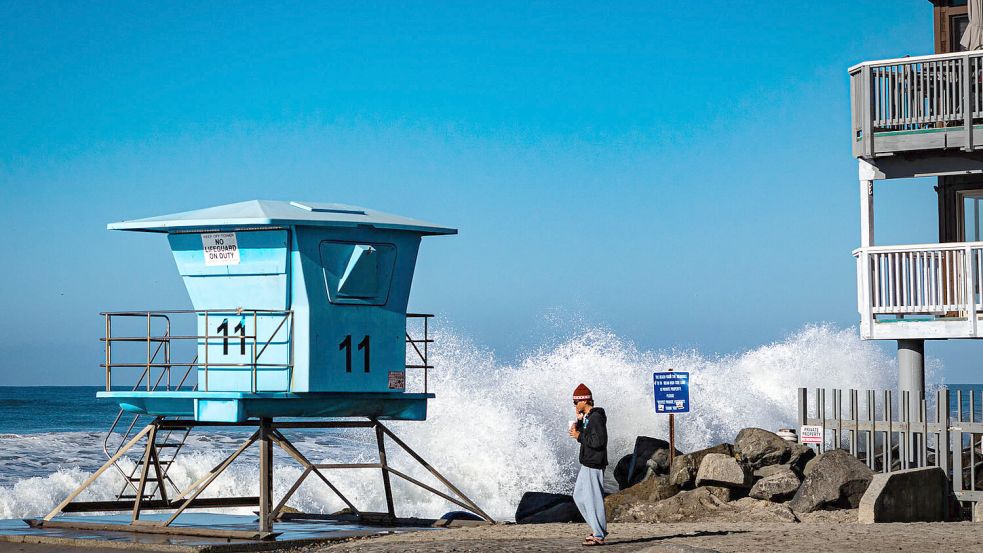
(220, 248)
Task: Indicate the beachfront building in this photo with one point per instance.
(922, 117)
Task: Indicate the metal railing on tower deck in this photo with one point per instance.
(247, 337)
(420, 346)
(151, 342)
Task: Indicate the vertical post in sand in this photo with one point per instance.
(265, 476)
(672, 437)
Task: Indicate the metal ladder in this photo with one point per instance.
(166, 449)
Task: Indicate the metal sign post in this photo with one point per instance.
(671, 397)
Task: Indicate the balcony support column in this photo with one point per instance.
(867, 175)
(911, 379)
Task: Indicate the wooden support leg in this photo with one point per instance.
(112, 460)
(147, 459)
(380, 438)
(265, 476)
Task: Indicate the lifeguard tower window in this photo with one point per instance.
(357, 273)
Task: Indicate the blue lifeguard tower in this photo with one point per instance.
(299, 311)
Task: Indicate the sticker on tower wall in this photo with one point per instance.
(220, 248)
(397, 380)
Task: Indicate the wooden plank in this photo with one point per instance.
(153, 529)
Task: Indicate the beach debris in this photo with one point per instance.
(682, 471)
(718, 469)
(834, 480)
(542, 507)
(778, 486)
(913, 495)
(757, 447)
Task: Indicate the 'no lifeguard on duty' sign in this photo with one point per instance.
(671, 392)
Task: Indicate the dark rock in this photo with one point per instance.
(779, 486)
(683, 470)
(718, 469)
(764, 472)
(621, 471)
(836, 480)
(799, 456)
(541, 508)
(758, 448)
(650, 457)
(460, 515)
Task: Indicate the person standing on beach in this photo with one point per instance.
(591, 431)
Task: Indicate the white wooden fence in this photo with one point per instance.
(876, 427)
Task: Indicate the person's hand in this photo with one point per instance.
(574, 434)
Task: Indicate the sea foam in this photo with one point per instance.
(496, 429)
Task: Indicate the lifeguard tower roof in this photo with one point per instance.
(278, 212)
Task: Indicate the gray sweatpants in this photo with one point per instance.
(589, 497)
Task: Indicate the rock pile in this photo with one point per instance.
(760, 477)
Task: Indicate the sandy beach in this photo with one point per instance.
(686, 537)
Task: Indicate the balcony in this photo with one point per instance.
(919, 105)
(929, 291)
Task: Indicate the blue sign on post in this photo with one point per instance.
(671, 392)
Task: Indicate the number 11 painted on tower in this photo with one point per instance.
(346, 346)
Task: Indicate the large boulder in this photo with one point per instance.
(649, 490)
(682, 471)
(718, 469)
(836, 480)
(778, 486)
(541, 508)
(707, 504)
(650, 457)
(914, 495)
(756, 448)
(799, 457)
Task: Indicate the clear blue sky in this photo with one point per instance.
(680, 173)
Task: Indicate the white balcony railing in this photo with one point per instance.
(921, 284)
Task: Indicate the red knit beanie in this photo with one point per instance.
(582, 393)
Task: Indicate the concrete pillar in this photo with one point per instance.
(911, 379)
(265, 475)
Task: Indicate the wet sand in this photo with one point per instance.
(960, 537)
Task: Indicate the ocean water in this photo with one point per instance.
(496, 429)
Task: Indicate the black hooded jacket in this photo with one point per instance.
(594, 439)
